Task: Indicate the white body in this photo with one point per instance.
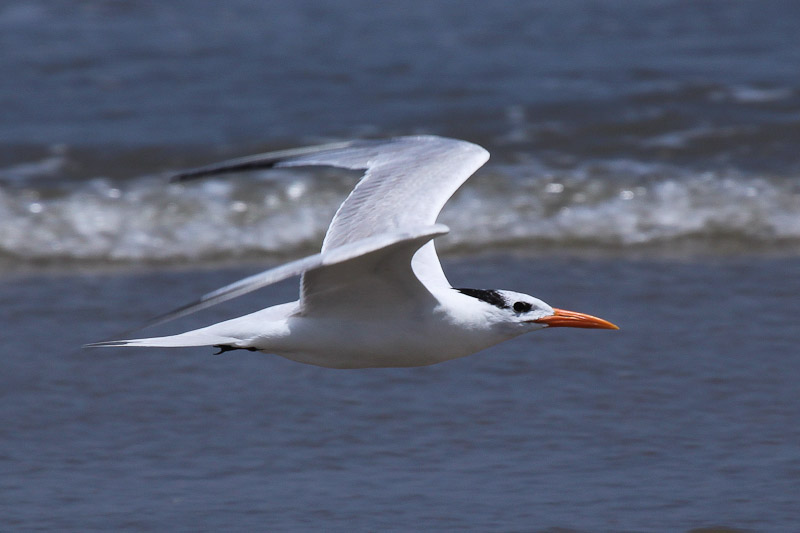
(361, 338)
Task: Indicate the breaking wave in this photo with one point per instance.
(614, 205)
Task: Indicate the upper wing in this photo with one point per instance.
(341, 269)
(407, 182)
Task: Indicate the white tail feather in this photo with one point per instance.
(190, 338)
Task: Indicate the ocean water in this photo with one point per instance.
(644, 169)
(685, 418)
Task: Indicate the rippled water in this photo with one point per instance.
(644, 169)
(687, 417)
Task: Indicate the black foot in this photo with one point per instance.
(227, 348)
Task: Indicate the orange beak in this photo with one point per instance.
(571, 319)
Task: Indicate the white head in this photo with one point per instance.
(524, 313)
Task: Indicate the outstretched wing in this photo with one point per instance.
(407, 182)
(353, 268)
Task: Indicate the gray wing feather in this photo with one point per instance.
(407, 182)
(383, 244)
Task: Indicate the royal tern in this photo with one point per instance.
(375, 296)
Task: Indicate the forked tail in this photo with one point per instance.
(190, 338)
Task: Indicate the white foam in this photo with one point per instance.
(603, 203)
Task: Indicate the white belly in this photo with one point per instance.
(337, 343)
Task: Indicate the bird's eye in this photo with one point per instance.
(522, 307)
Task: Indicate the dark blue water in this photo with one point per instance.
(201, 72)
(644, 169)
(687, 417)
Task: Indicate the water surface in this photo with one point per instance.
(644, 169)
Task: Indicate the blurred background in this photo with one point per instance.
(644, 169)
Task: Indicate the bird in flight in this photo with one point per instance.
(375, 295)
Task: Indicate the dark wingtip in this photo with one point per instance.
(254, 162)
(185, 175)
(215, 170)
